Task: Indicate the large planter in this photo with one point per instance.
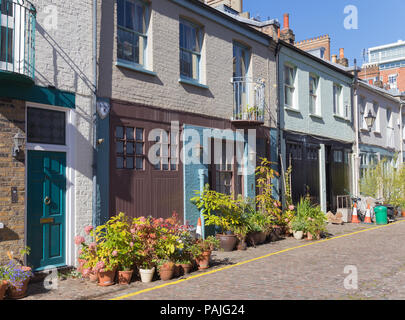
(227, 241)
(124, 277)
(403, 212)
(106, 278)
(204, 261)
(298, 235)
(166, 273)
(147, 274)
(3, 288)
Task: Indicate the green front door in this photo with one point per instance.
(46, 207)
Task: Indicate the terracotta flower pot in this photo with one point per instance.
(403, 212)
(93, 276)
(3, 288)
(18, 292)
(227, 241)
(124, 277)
(204, 261)
(106, 278)
(186, 268)
(166, 273)
(147, 274)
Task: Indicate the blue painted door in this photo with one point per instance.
(46, 207)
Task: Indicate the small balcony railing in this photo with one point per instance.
(17, 37)
(249, 100)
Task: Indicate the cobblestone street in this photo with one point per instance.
(285, 269)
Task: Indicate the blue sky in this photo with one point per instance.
(379, 21)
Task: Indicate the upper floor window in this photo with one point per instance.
(377, 125)
(362, 108)
(390, 119)
(337, 91)
(190, 50)
(132, 31)
(392, 80)
(289, 85)
(313, 89)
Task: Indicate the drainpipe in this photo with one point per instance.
(401, 133)
(96, 218)
(356, 171)
(279, 160)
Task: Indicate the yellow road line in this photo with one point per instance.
(248, 261)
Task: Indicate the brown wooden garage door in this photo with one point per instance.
(138, 187)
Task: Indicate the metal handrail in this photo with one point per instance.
(17, 49)
(249, 98)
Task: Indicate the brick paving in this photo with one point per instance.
(310, 272)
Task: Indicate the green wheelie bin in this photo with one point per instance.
(381, 216)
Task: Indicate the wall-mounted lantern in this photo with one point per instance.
(18, 140)
(370, 119)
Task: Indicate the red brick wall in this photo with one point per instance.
(400, 79)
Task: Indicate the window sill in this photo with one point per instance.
(292, 109)
(341, 118)
(316, 116)
(134, 67)
(193, 83)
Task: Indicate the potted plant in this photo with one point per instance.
(166, 269)
(223, 211)
(299, 226)
(17, 277)
(146, 231)
(202, 249)
(186, 266)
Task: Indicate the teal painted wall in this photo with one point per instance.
(103, 170)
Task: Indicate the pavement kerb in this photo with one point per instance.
(250, 260)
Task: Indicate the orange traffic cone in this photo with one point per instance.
(355, 219)
(367, 219)
(199, 228)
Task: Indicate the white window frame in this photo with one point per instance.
(314, 109)
(363, 113)
(144, 36)
(337, 100)
(290, 87)
(377, 123)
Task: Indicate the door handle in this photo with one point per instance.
(47, 201)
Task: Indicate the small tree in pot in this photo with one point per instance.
(220, 210)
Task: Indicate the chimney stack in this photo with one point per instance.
(286, 21)
(334, 58)
(287, 34)
(341, 53)
(342, 60)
